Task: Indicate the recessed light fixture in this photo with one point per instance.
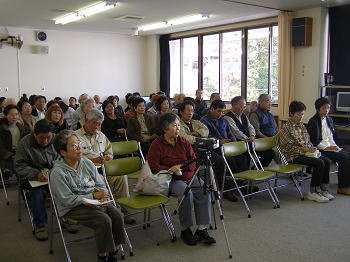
(85, 12)
(177, 21)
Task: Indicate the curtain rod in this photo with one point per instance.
(267, 7)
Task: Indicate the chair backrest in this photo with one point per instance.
(263, 144)
(124, 147)
(123, 166)
(234, 148)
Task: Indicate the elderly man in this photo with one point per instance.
(74, 179)
(78, 116)
(98, 103)
(98, 149)
(262, 120)
(39, 107)
(200, 104)
(35, 155)
(214, 96)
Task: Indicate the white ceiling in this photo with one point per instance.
(39, 14)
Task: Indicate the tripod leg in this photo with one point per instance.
(213, 210)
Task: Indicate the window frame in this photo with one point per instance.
(244, 57)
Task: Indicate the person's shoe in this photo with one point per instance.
(102, 259)
(230, 196)
(318, 197)
(71, 228)
(188, 238)
(129, 219)
(112, 257)
(327, 195)
(344, 191)
(202, 235)
(41, 234)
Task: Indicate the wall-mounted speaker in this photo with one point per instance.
(302, 31)
(41, 36)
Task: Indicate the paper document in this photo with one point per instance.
(95, 202)
(37, 183)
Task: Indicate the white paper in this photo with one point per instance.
(95, 202)
(37, 183)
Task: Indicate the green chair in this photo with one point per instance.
(238, 148)
(263, 144)
(125, 166)
(125, 148)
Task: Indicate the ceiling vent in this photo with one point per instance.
(128, 17)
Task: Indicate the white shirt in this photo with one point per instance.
(327, 136)
(235, 130)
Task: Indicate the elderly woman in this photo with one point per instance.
(295, 144)
(113, 126)
(27, 119)
(78, 117)
(11, 131)
(322, 130)
(56, 116)
(141, 127)
(171, 152)
(162, 105)
(75, 178)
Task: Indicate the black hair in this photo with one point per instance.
(214, 94)
(43, 126)
(57, 98)
(130, 99)
(8, 108)
(20, 104)
(72, 97)
(116, 97)
(190, 99)
(137, 101)
(184, 104)
(63, 106)
(2, 99)
(165, 120)
(127, 97)
(217, 104)
(105, 103)
(321, 102)
(236, 100)
(50, 103)
(32, 99)
(150, 95)
(159, 102)
(296, 106)
(38, 97)
(136, 94)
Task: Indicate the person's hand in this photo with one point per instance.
(195, 133)
(100, 194)
(224, 141)
(250, 139)
(108, 158)
(42, 177)
(331, 148)
(146, 139)
(310, 149)
(99, 160)
(121, 131)
(175, 169)
(174, 111)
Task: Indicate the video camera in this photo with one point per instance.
(206, 144)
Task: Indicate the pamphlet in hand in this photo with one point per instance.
(34, 183)
(95, 202)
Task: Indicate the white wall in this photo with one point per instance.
(312, 59)
(78, 62)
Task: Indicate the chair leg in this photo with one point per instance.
(19, 204)
(149, 218)
(144, 218)
(51, 229)
(28, 210)
(274, 194)
(268, 187)
(168, 223)
(296, 183)
(4, 187)
(128, 243)
(243, 199)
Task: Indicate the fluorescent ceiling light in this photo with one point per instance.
(178, 21)
(85, 12)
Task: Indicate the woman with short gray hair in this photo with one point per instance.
(75, 178)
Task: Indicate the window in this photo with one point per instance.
(242, 62)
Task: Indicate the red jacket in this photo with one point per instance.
(162, 156)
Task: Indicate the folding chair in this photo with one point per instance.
(4, 188)
(238, 148)
(263, 144)
(54, 212)
(23, 192)
(130, 165)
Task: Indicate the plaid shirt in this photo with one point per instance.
(292, 139)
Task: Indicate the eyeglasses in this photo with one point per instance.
(76, 145)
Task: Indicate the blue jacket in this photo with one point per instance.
(267, 122)
(218, 129)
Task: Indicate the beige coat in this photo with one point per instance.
(197, 125)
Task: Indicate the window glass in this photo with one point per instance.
(174, 48)
(190, 66)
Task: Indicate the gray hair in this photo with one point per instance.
(86, 102)
(94, 114)
(262, 97)
(61, 140)
(165, 120)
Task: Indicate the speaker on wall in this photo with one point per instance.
(302, 31)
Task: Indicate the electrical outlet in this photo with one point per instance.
(6, 88)
(43, 88)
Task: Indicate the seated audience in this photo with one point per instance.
(200, 104)
(118, 109)
(262, 120)
(39, 107)
(73, 103)
(78, 117)
(113, 126)
(98, 149)
(162, 105)
(52, 102)
(242, 128)
(131, 112)
(74, 178)
(171, 152)
(322, 130)
(26, 117)
(178, 100)
(153, 109)
(142, 127)
(150, 103)
(2, 99)
(34, 155)
(295, 144)
(98, 103)
(68, 113)
(213, 97)
(252, 107)
(136, 94)
(126, 100)
(32, 100)
(56, 116)
(220, 130)
(11, 131)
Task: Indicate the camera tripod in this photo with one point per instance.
(206, 165)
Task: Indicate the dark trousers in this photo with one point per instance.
(320, 167)
(266, 157)
(37, 200)
(107, 223)
(343, 160)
